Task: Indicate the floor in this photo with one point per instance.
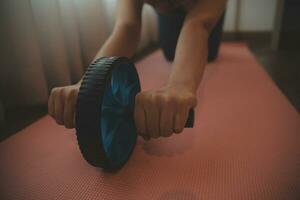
(18, 118)
(237, 149)
(283, 67)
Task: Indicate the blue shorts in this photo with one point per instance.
(169, 29)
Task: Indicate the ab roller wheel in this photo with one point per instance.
(104, 119)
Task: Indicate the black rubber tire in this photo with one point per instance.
(88, 110)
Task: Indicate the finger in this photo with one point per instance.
(69, 110)
(152, 118)
(51, 103)
(180, 119)
(58, 107)
(139, 117)
(166, 120)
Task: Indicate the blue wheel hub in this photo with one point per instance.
(117, 120)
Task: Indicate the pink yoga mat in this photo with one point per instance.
(245, 145)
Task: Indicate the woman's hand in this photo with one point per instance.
(161, 112)
(61, 104)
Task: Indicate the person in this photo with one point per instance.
(189, 36)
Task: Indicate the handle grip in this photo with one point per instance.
(190, 120)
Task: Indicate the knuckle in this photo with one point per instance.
(169, 101)
(58, 95)
(63, 91)
(155, 98)
(65, 95)
(53, 90)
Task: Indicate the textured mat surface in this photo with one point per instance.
(245, 145)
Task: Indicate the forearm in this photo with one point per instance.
(190, 57)
(123, 42)
(126, 34)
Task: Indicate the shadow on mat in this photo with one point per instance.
(171, 146)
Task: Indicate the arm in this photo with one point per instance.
(125, 37)
(126, 33)
(122, 42)
(199, 21)
(164, 111)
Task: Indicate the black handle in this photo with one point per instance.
(190, 120)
